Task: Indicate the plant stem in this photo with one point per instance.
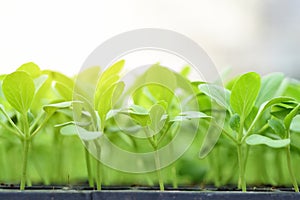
(99, 168)
(88, 167)
(158, 170)
(289, 163)
(174, 177)
(242, 182)
(99, 175)
(26, 142)
(20, 133)
(24, 164)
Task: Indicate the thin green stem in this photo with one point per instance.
(227, 134)
(174, 177)
(26, 143)
(6, 127)
(158, 170)
(165, 132)
(88, 167)
(242, 182)
(99, 175)
(289, 163)
(36, 121)
(48, 116)
(21, 134)
(246, 157)
(150, 138)
(99, 169)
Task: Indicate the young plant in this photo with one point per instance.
(19, 89)
(90, 117)
(248, 108)
(156, 108)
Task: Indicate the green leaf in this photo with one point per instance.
(88, 135)
(64, 91)
(188, 115)
(108, 99)
(256, 139)
(162, 76)
(266, 105)
(39, 82)
(84, 134)
(277, 126)
(108, 90)
(68, 130)
(185, 71)
(288, 119)
(59, 77)
(292, 89)
(139, 110)
(217, 93)
(244, 93)
(18, 88)
(31, 68)
(295, 125)
(281, 110)
(234, 122)
(140, 115)
(51, 108)
(269, 87)
(210, 140)
(112, 70)
(156, 114)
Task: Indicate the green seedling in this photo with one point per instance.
(248, 107)
(20, 89)
(156, 109)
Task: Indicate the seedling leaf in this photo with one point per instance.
(18, 88)
(288, 119)
(156, 114)
(256, 139)
(235, 122)
(295, 125)
(269, 87)
(31, 68)
(188, 115)
(277, 126)
(217, 93)
(244, 93)
(51, 108)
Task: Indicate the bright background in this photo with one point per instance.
(260, 35)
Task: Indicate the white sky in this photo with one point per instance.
(60, 34)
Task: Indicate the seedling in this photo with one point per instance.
(156, 108)
(20, 89)
(248, 107)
